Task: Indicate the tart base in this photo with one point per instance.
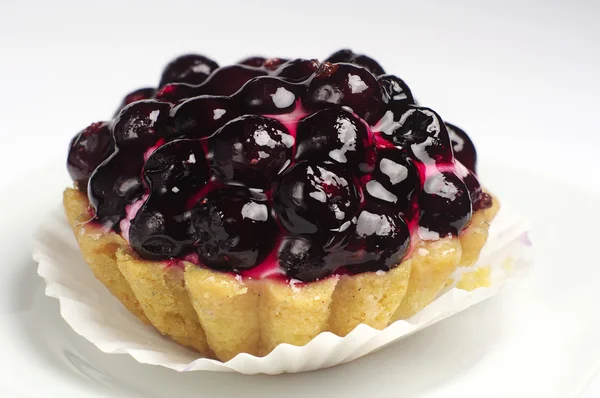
(220, 315)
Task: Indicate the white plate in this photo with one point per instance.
(538, 339)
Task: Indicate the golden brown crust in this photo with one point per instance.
(99, 251)
(221, 315)
(162, 294)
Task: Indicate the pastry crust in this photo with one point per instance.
(221, 315)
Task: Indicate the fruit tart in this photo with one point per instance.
(236, 208)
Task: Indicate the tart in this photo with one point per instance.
(240, 207)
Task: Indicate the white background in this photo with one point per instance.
(521, 77)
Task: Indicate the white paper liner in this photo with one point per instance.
(95, 314)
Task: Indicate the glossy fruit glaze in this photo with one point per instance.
(278, 168)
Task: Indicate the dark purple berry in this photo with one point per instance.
(229, 79)
(445, 206)
(175, 93)
(156, 236)
(232, 230)
(256, 62)
(395, 179)
(394, 89)
(174, 172)
(114, 184)
(335, 135)
(305, 261)
(87, 150)
(269, 95)
(190, 68)
(250, 150)
(379, 240)
(422, 133)
(316, 199)
(464, 149)
(297, 70)
(348, 56)
(273, 63)
(137, 95)
(479, 198)
(142, 124)
(200, 117)
(345, 84)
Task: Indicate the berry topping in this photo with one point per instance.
(297, 70)
(115, 184)
(285, 165)
(174, 172)
(379, 240)
(232, 230)
(305, 261)
(479, 199)
(423, 133)
(191, 69)
(200, 117)
(345, 84)
(137, 95)
(229, 79)
(256, 62)
(177, 92)
(395, 179)
(445, 206)
(250, 150)
(464, 150)
(335, 135)
(394, 89)
(316, 199)
(269, 95)
(87, 150)
(348, 56)
(142, 123)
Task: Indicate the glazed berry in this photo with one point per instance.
(394, 89)
(379, 240)
(479, 198)
(316, 199)
(335, 135)
(142, 124)
(269, 95)
(87, 150)
(297, 69)
(156, 236)
(305, 261)
(445, 206)
(175, 93)
(137, 95)
(232, 231)
(464, 149)
(190, 68)
(345, 84)
(256, 62)
(250, 150)
(348, 56)
(273, 63)
(423, 133)
(229, 79)
(115, 184)
(200, 117)
(395, 179)
(174, 173)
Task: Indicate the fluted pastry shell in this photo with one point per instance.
(221, 315)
